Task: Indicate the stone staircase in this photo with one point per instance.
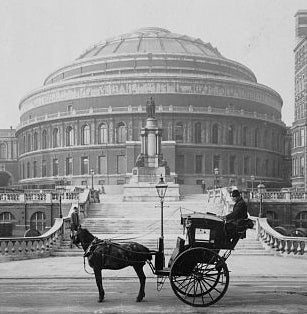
(141, 222)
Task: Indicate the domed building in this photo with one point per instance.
(219, 125)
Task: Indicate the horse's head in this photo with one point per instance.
(83, 237)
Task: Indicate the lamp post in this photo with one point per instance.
(92, 174)
(216, 173)
(161, 188)
(261, 191)
(252, 179)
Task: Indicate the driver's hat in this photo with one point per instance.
(235, 193)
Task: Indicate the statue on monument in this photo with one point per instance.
(151, 108)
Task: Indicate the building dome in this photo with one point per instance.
(153, 50)
(152, 40)
(89, 113)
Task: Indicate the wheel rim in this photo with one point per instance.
(203, 284)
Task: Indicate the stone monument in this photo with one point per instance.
(150, 164)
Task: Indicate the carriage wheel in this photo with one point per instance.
(199, 277)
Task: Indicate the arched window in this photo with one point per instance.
(230, 135)
(6, 216)
(103, 133)
(179, 132)
(257, 138)
(3, 151)
(215, 134)
(38, 221)
(121, 132)
(69, 136)
(272, 218)
(197, 134)
(85, 135)
(29, 143)
(301, 220)
(55, 138)
(244, 136)
(44, 139)
(35, 141)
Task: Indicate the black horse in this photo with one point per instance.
(105, 254)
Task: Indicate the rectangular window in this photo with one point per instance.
(44, 168)
(69, 166)
(198, 164)
(102, 164)
(35, 169)
(84, 165)
(232, 161)
(216, 162)
(302, 166)
(246, 165)
(55, 167)
(28, 170)
(180, 164)
(121, 161)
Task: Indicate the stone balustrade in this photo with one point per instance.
(161, 108)
(33, 247)
(17, 248)
(38, 197)
(282, 244)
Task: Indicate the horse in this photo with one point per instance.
(106, 254)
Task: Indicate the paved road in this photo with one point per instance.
(79, 295)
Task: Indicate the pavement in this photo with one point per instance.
(240, 266)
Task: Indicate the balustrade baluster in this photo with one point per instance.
(281, 246)
(301, 247)
(26, 242)
(272, 241)
(288, 246)
(32, 249)
(43, 248)
(13, 251)
(295, 246)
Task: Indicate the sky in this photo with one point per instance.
(38, 37)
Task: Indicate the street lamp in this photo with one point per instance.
(92, 174)
(261, 191)
(216, 173)
(161, 188)
(252, 179)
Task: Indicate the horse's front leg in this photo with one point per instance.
(140, 272)
(98, 278)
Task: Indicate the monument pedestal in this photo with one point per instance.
(142, 186)
(146, 192)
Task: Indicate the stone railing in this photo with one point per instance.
(160, 108)
(277, 196)
(33, 247)
(38, 197)
(18, 248)
(282, 244)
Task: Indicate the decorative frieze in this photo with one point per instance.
(130, 87)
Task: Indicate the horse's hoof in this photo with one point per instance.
(140, 298)
(99, 300)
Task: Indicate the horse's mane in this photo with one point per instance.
(86, 233)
